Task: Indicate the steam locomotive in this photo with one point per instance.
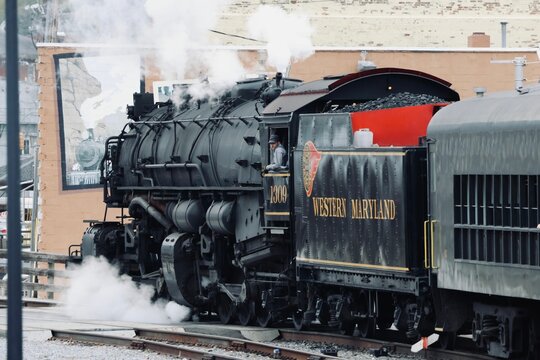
(89, 152)
(400, 205)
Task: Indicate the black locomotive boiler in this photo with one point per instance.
(385, 214)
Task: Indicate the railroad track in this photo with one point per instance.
(133, 343)
(160, 342)
(393, 348)
(195, 345)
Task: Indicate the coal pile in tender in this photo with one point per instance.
(392, 101)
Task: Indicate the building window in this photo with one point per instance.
(26, 147)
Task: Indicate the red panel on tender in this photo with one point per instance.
(397, 126)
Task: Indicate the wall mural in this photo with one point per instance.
(92, 93)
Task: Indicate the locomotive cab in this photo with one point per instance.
(276, 180)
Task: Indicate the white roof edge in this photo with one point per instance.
(89, 45)
(425, 49)
(316, 48)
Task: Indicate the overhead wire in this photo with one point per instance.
(237, 36)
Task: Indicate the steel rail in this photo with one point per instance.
(230, 343)
(140, 344)
(392, 347)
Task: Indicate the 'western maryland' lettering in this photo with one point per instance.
(329, 207)
(373, 209)
(362, 209)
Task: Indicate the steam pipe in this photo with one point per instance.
(184, 165)
(150, 210)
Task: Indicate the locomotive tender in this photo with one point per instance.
(433, 227)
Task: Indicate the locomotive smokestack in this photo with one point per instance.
(279, 76)
(90, 132)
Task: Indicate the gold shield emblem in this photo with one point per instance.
(310, 164)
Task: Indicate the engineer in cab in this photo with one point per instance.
(279, 154)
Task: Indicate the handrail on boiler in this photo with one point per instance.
(176, 165)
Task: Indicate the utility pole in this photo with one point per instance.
(14, 301)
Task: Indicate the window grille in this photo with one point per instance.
(496, 219)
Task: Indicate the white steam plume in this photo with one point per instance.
(288, 36)
(173, 30)
(98, 292)
(116, 86)
(219, 77)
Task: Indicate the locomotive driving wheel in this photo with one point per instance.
(246, 312)
(263, 316)
(225, 309)
(299, 321)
